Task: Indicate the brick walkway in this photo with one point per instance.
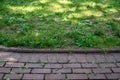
(32, 66)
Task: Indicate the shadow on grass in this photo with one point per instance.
(60, 22)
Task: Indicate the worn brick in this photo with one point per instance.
(2, 64)
(76, 76)
(72, 58)
(43, 57)
(12, 64)
(100, 58)
(14, 57)
(71, 65)
(107, 65)
(116, 70)
(89, 65)
(19, 70)
(109, 58)
(82, 70)
(80, 57)
(59, 71)
(24, 58)
(62, 58)
(118, 64)
(104, 70)
(90, 58)
(14, 76)
(33, 76)
(1, 76)
(113, 76)
(96, 76)
(4, 70)
(55, 77)
(117, 57)
(53, 66)
(5, 55)
(35, 58)
(41, 71)
(32, 65)
(52, 58)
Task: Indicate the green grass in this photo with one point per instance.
(60, 23)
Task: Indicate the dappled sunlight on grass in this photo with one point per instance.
(1, 17)
(44, 1)
(64, 1)
(55, 7)
(48, 23)
(94, 4)
(111, 10)
(24, 9)
(65, 7)
(91, 13)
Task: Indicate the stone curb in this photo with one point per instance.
(32, 50)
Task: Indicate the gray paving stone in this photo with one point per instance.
(59, 66)
(55, 77)
(1, 76)
(77, 76)
(97, 76)
(113, 76)
(33, 76)
(14, 76)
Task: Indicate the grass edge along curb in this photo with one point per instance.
(34, 50)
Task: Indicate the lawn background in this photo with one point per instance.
(60, 23)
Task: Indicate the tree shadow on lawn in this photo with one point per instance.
(58, 10)
(65, 18)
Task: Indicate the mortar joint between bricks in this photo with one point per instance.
(3, 76)
(22, 76)
(31, 70)
(44, 76)
(111, 70)
(105, 76)
(71, 70)
(25, 64)
(11, 69)
(4, 64)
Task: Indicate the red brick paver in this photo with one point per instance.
(55, 77)
(64, 66)
(12, 64)
(14, 76)
(33, 76)
(77, 76)
(82, 70)
(42, 71)
(1, 76)
(20, 70)
(97, 76)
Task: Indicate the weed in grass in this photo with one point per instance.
(94, 73)
(10, 72)
(24, 67)
(87, 41)
(70, 53)
(114, 62)
(21, 20)
(99, 32)
(95, 62)
(42, 64)
(1, 61)
(114, 27)
(67, 79)
(104, 51)
(11, 20)
(6, 78)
